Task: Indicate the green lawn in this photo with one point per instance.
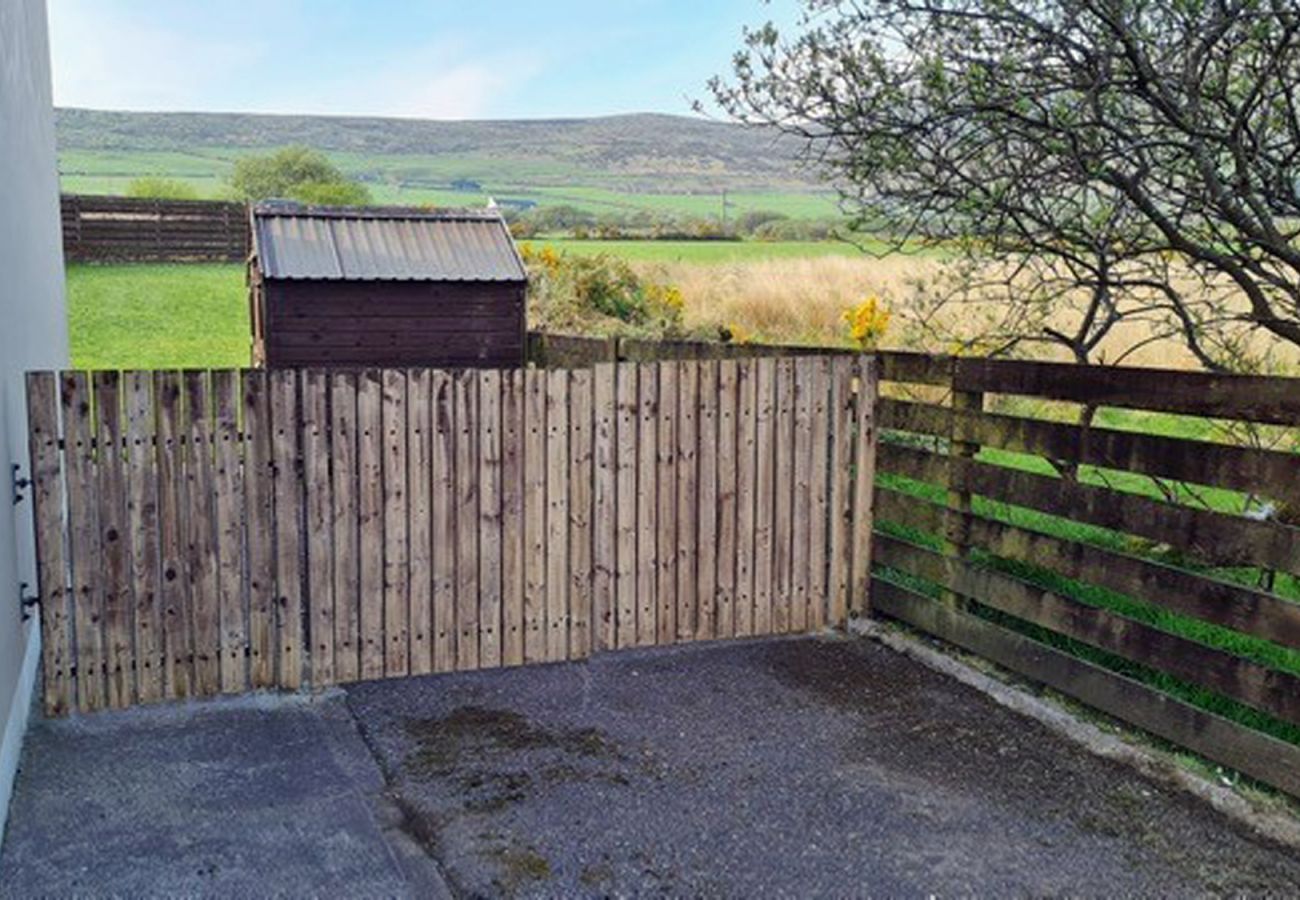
(158, 316)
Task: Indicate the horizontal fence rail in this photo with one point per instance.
(129, 229)
(1057, 520)
(204, 532)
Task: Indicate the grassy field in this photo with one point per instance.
(158, 316)
(141, 316)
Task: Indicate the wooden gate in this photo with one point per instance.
(203, 532)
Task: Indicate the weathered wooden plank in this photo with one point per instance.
(345, 562)
(783, 488)
(627, 488)
(259, 493)
(1259, 756)
(52, 556)
(1233, 606)
(557, 515)
(1266, 472)
(920, 418)
(915, 368)
(371, 514)
(604, 517)
(467, 520)
(915, 463)
(802, 510)
(840, 514)
(666, 512)
(535, 516)
(316, 453)
(285, 415)
(818, 388)
(866, 452)
(647, 504)
(725, 467)
(201, 549)
(746, 485)
(512, 517)
(370, 522)
(908, 511)
(764, 495)
(142, 514)
(705, 504)
(1253, 398)
(489, 526)
(1269, 690)
(419, 469)
(397, 566)
(87, 591)
(687, 509)
(443, 504)
(231, 561)
(581, 474)
(1215, 537)
(173, 501)
(114, 544)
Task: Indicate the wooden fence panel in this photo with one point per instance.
(230, 530)
(1144, 564)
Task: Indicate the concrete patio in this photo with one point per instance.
(809, 767)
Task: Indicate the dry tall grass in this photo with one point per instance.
(804, 300)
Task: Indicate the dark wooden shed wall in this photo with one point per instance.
(392, 323)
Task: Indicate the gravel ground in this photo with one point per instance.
(812, 767)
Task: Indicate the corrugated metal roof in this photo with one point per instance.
(381, 245)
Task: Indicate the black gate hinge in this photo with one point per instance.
(20, 484)
(25, 600)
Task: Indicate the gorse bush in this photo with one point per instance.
(598, 294)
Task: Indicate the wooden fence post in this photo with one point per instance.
(957, 517)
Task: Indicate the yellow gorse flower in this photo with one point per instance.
(868, 321)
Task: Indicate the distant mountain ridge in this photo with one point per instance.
(641, 145)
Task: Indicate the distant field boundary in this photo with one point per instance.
(128, 229)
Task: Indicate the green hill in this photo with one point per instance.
(670, 163)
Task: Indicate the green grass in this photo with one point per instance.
(158, 316)
(701, 251)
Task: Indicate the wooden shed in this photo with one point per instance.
(347, 287)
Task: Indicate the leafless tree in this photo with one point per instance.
(1099, 161)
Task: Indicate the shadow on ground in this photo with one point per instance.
(811, 767)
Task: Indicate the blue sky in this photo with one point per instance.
(421, 58)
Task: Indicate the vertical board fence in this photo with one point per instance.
(1058, 520)
(215, 532)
